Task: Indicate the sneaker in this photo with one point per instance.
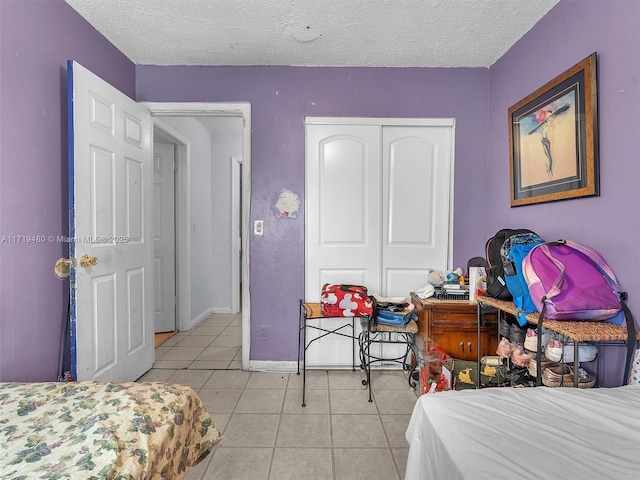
(554, 350)
(585, 379)
(586, 353)
(531, 339)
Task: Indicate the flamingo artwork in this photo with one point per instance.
(544, 118)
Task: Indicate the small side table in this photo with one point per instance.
(313, 310)
(377, 333)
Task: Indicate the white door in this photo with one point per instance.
(110, 213)
(164, 264)
(416, 186)
(378, 202)
(341, 227)
(342, 198)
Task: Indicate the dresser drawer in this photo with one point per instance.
(452, 325)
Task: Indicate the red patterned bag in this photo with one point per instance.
(345, 301)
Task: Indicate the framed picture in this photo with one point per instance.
(553, 139)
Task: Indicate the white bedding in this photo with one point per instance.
(526, 433)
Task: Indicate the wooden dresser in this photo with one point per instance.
(453, 326)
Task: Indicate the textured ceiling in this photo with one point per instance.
(376, 33)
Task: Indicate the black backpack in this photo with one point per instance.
(496, 284)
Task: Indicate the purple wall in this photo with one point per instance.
(280, 99)
(37, 37)
(36, 40)
(567, 34)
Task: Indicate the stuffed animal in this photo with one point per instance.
(438, 277)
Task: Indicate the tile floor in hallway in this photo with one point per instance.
(215, 344)
(268, 435)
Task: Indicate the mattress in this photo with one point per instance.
(526, 433)
(102, 430)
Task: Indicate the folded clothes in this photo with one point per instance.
(380, 299)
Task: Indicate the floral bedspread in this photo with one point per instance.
(90, 430)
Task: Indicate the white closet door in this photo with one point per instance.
(342, 225)
(342, 220)
(416, 185)
(377, 213)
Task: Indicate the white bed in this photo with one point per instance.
(526, 433)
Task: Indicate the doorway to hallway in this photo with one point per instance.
(214, 235)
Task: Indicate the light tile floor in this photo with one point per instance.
(268, 435)
(215, 344)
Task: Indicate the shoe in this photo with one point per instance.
(504, 348)
(557, 376)
(531, 339)
(554, 350)
(517, 333)
(490, 360)
(520, 358)
(519, 377)
(533, 365)
(586, 353)
(561, 375)
(504, 328)
(585, 379)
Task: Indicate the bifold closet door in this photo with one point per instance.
(343, 201)
(342, 225)
(416, 186)
(377, 213)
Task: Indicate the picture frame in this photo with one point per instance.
(553, 139)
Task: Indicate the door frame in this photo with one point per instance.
(236, 231)
(242, 109)
(182, 213)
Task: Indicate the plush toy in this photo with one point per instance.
(438, 277)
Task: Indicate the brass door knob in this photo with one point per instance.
(63, 267)
(88, 261)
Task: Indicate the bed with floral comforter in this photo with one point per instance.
(90, 430)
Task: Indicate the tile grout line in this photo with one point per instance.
(275, 440)
(333, 456)
(386, 438)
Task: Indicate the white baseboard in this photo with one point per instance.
(343, 366)
(292, 367)
(200, 318)
(222, 310)
(272, 366)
